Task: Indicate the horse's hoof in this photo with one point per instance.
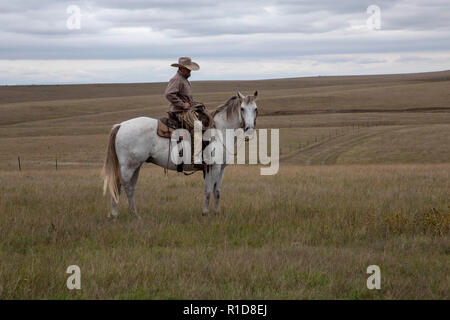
(205, 213)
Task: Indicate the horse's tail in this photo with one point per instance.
(111, 168)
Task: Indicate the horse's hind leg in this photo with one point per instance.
(130, 185)
(114, 206)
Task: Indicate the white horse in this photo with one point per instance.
(135, 141)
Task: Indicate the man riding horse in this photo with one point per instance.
(183, 109)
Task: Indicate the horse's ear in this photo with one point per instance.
(255, 95)
(240, 95)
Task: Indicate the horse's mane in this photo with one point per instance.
(232, 105)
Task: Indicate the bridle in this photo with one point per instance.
(241, 126)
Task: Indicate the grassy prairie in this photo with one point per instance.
(364, 179)
(308, 232)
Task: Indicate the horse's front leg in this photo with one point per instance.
(208, 188)
(218, 187)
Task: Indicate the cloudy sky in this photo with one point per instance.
(136, 40)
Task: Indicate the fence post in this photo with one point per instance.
(18, 160)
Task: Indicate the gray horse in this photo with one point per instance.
(135, 141)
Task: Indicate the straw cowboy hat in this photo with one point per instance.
(187, 63)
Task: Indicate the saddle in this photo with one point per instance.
(185, 120)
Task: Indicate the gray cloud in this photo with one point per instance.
(197, 17)
(245, 30)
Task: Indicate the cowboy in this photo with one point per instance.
(179, 91)
(179, 94)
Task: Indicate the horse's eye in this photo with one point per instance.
(242, 109)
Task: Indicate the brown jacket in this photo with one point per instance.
(178, 92)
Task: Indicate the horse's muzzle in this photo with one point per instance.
(249, 132)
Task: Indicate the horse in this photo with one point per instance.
(135, 141)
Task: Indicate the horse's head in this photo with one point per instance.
(249, 111)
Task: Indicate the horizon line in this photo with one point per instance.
(224, 80)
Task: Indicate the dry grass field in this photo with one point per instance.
(364, 179)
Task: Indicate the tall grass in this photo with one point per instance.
(307, 232)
